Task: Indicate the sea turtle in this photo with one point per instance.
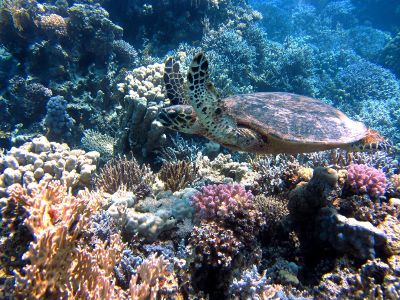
(273, 122)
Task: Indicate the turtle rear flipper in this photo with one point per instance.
(174, 82)
(373, 141)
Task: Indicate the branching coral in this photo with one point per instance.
(276, 173)
(154, 279)
(56, 219)
(231, 206)
(274, 210)
(214, 245)
(123, 172)
(177, 175)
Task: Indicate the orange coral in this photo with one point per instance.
(56, 218)
(53, 24)
(153, 280)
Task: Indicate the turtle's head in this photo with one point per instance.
(180, 118)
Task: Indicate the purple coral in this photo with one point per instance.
(363, 179)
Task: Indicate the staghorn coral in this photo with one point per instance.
(122, 172)
(362, 179)
(177, 175)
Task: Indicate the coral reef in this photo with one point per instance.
(223, 169)
(231, 206)
(390, 53)
(146, 214)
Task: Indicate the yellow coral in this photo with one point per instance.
(305, 173)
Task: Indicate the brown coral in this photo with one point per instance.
(214, 245)
(177, 175)
(274, 210)
(122, 172)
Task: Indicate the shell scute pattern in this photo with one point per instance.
(294, 118)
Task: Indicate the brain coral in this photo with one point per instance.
(366, 180)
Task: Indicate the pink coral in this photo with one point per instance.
(232, 207)
(219, 200)
(363, 179)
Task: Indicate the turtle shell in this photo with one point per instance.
(294, 118)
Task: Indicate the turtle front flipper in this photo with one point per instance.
(174, 82)
(208, 106)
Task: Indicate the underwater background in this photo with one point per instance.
(100, 201)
